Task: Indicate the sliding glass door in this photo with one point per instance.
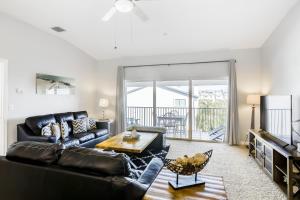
(172, 107)
(209, 109)
(189, 100)
(188, 109)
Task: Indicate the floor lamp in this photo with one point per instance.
(253, 100)
(103, 103)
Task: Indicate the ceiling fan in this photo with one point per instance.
(125, 6)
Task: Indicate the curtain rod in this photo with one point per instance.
(185, 63)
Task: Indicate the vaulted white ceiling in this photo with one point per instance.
(175, 26)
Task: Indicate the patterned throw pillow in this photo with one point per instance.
(55, 128)
(64, 129)
(91, 124)
(46, 130)
(79, 126)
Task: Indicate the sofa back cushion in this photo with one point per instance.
(96, 161)
(149, 129)
(36, 123)
(37, 152)
(80, 114)
(65, 117)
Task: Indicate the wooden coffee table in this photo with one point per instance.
(160, 189)
(135, 146)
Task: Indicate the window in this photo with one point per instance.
(179, 102)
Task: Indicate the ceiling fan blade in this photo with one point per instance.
(140, 13)
(109, 14)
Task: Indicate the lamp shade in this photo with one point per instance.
(103, 103)
(253, 99)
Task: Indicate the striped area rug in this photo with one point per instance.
(161, 190)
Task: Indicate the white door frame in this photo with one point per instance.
(3, 105)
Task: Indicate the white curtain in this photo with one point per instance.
(232, 123)
(120, 104)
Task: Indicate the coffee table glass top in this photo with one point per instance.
(135, 146)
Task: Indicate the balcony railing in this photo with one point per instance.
(203, 119)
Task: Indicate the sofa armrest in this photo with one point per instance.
(24, 134)
(150, 173)
(103, 125)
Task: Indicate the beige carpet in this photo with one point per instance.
(243, 179)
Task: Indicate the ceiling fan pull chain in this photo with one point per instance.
(115, 34)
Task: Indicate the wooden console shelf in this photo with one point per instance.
(277, 162)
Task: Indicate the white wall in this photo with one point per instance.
(248, 75)
(30, 51)
(281, 60)
(3, 106)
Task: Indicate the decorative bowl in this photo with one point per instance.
(187, 170)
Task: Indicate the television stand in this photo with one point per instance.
(276, 161)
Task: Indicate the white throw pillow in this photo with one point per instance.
(46, 130)
(64, 128)
(55, 128)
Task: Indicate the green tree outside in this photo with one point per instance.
(210, 114)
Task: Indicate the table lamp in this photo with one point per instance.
(253, 100)
(103, 103)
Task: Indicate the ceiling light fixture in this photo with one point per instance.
(124, 5)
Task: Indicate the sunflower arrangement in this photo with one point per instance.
(194, 161)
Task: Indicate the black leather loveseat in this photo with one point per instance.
(35, 171)
(31, 130)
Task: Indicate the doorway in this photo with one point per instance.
(3, 106)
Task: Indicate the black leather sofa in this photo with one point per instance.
(35, 171)
(31, 130)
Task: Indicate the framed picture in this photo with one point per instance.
(54, 85)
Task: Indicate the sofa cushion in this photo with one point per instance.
(149, 129)
(84, 137)
(39, 152)
(55, 129)
(99, 132)
(64, 117)
(69, 142)
(97, 161)
(79, 126)
(46, 130)
(64, 127)
(91, 124)
(80, 114)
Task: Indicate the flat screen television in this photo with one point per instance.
(276, 117)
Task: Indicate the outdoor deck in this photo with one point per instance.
(207, 123)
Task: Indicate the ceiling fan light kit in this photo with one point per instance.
(124, 6)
